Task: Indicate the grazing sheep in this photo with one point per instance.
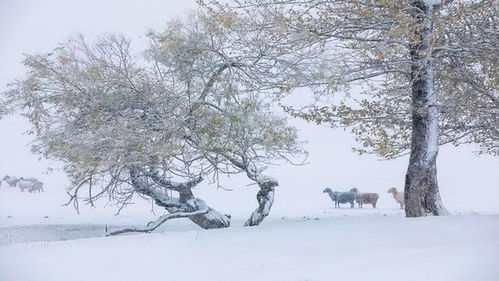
(365, 198)
(11, 181)
(398, 196)
(25, 185)
(37, 186)
(340, 197)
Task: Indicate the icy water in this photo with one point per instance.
(38, 233)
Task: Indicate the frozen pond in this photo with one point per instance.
(37, 233)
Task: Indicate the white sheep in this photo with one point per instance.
(25, 185)
(31, 186)
(398, 196)
(37, 186)
(11, 181)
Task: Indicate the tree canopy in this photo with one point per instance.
(128, 123)
(405, 76)
(365, 64)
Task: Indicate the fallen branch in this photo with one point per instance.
(151, 226)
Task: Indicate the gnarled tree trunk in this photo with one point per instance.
(186, 203)
(209, 220)
(265, 195)
(422, 196)
(265, 198)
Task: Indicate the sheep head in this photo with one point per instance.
(392, 190)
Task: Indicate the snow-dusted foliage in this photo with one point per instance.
(369, 48)
(149, 124)
(406, 76)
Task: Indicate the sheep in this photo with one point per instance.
(25, 185)
(31, 186)
(398, 196)
(365, 198)
(11, 181)
(37, 186)
(340, 197)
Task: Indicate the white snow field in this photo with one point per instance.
(333, 248)
(318, 243)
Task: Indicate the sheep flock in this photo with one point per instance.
(361, 198)
(24, 184)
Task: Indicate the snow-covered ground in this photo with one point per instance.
(319, 243)
(330, 248)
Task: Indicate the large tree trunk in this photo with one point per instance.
(186, 203)
(421, 187)
(209, 220)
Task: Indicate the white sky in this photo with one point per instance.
(28, 26)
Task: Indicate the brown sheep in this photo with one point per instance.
(398, 196)
(365, 198)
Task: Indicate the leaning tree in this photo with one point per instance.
(240, 77)
(406, 76)
(153, 124)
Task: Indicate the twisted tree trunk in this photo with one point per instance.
(265, 195)
(265, 198)
(422, 196)
(186, 203)
(209, 220)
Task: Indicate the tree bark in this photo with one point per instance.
(185, 203)
(265, 195)
(265, 198)
(422, 195)
(209, 220)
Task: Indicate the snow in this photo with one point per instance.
(306, 244)
(303, 238)
(332, 248)
(266, 179)
(432, 2)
